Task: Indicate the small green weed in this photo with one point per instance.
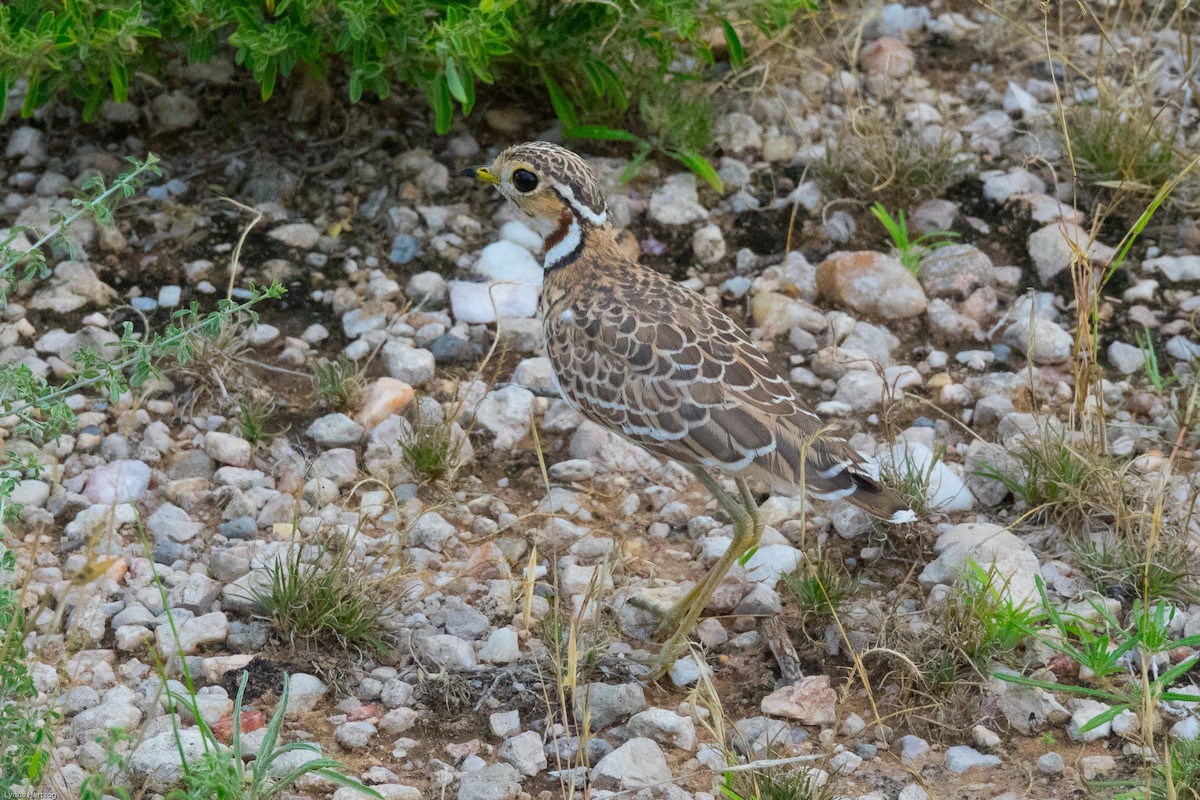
(1121, 148)
(910, 251)
(991, 623)
(107, 781)
(339, 383)
(1109, 651)
(325, 599)
(26, 730)
(1122, 568)
(225, 775)
(818, 589)
(253, 415)
(1150, 365)
(777, 784)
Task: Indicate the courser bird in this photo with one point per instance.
(641, 355)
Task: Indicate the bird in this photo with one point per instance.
(639, 354)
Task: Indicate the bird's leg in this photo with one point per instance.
(747, 528)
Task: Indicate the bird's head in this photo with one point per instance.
(554, 187)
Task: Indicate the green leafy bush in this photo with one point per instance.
(600, 58)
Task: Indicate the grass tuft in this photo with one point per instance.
(338, 383)
(876, 157)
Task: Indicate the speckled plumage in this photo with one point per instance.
(641, 355)
(638, 353)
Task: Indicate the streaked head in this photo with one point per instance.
(552, 185)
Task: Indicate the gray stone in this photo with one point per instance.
(506, 414)
(447, 651)
(354, 735)
(225, 448)
(677, 202)
(1041, 339)
(1051, 764)
(156, 763)
(335, 430)
(1051, 248)
(609, 703)
(172, 522)
(637, 764)
(961, 758)
(412, 365)
(665, 727)
(1083, 711)
(304, 692)
(175, 111)
(955, 270)
(1126, 358)
(524, 751)
(300, 235)
(497, 782)
(912, 748)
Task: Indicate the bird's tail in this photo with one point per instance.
(832, 470)
(879, 501)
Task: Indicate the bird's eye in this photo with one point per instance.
(524, 181)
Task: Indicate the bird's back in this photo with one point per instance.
(638, 353)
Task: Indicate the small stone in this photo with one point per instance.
(496, 782)
(449, 651)
(398, 721)
(872, 284)
(354, 735)
(225, 448)
(483, 302)
(1085, 711)
(961, 758)
(708, 244)
(121, 481)
(304, 692)
(156, 763)
(677, 202)
(912, 748)
(506, 413)
(335, 430)
(1043, 341)
(665, 727)
(427, 289)
(609, 703)
(382, 398)
(1179, 269)
(984, 737)
(887, 57)
(738, 133)
(300, 235)
(501, 647)
(411, 365)
(1051, 248)
(1126, 358)
(812, 701)
(1093, 767)
(505, 723)
(524, 751)
(175, 111)
(1051, 764)
(572, 470)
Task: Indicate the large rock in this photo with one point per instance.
(608, 703)
(497, 782)
(155, 763)
(1041, 339)
(637, 764)
(812, 701)
(871, 283)
(1053, 248)
(121, 481)
(944, 489)
(1011, 562)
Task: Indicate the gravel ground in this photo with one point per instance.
(430, 288)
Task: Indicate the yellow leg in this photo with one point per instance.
(747, 530)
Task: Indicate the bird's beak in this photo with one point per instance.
(480, 174)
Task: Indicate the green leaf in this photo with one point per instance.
(1100, 719)
(699, 165)
(562, 106)
(119, 76)
(443, 107)
(268, 84)
(602, 132)
(635, 164)
(737, 53)
(454, 82)
(356, 87)
(469, 89)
